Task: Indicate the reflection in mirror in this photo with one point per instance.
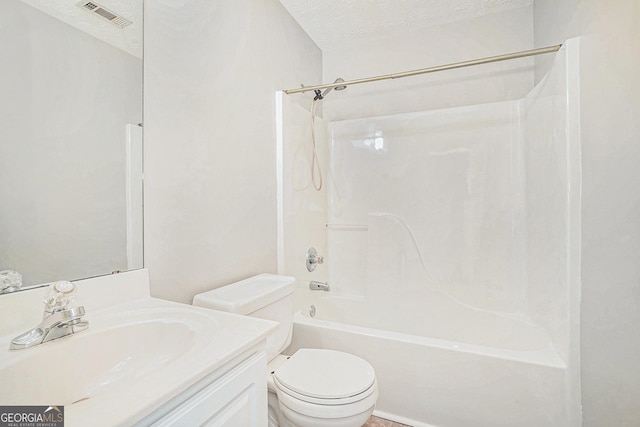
(71, 150)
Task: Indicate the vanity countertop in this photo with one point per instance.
(138, 353)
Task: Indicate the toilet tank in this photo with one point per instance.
(266, 296)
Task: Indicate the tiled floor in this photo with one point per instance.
(381, 422)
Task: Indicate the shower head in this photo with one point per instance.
(339, 80)
(321, 95)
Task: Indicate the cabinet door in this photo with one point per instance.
(237, 399)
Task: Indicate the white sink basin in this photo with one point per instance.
(115, 349)
(129, 362)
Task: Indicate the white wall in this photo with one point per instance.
(66, 99)
(494, 34)
(211, 71)
(610, 131)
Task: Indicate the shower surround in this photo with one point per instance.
(452, 249)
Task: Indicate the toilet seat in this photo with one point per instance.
(322, 388)
(281, 389)
(325, 377)
(330, 408)
(325, 384)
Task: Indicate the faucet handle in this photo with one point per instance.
(313, 259)
(59, 295)
(10, 281)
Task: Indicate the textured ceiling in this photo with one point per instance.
(331, 23)
(128, 39)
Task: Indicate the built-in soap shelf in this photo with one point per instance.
(348, 227)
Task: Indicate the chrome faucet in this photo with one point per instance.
(319, 286)
(58, 320)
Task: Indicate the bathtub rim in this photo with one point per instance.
(547, 357)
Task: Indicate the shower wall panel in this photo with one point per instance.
(439, 195)
(550, 115)
(303, 210)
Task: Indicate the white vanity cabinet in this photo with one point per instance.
(234, 395)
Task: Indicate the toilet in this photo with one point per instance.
(312, 387)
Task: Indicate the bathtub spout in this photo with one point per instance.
(319, 286)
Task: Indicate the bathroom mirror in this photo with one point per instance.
(71, 150)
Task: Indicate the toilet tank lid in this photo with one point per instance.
(248, 295)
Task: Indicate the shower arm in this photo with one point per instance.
(488, 60)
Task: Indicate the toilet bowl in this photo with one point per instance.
(323, 388)
(312, 387)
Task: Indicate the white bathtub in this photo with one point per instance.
(486, 370)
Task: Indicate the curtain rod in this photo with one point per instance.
(515, 55)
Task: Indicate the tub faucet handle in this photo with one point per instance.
(313, 259)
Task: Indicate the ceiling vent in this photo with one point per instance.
(104, 13)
